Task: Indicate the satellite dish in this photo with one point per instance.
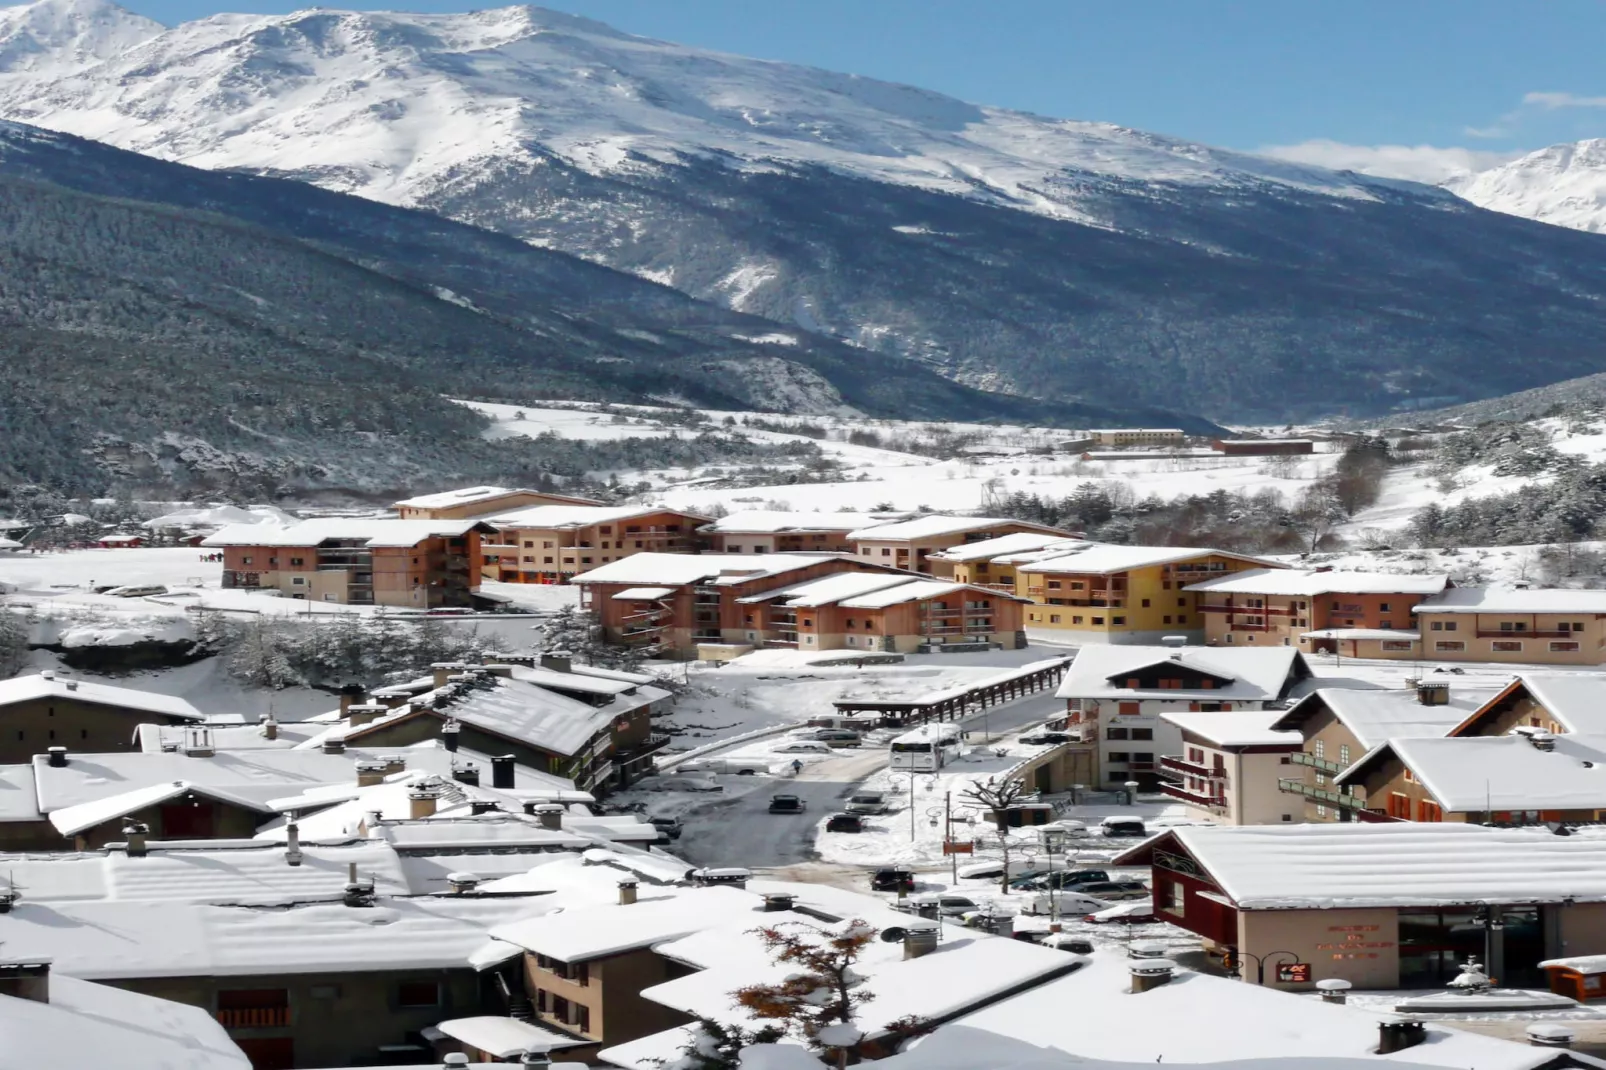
(893, 935)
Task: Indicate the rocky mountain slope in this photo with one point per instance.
(1562, 184)
(1071, 261)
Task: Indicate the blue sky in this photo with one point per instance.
(1410, 86)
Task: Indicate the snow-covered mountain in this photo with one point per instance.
(1562, 184)
(1076, 261)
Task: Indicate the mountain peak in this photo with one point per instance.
(1564, 185)
(58, 37)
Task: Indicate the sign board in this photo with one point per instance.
(955, 847)
(1293, 973)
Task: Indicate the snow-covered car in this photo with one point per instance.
(844, 823)
(867, 802)
(680, 783)
(947, 904)
(739, 766)
(991, 871)
(1113, 890)
(1123, 826)
(1061, 879)
(803, 746)
(1066, 904)
(669, 826)
(136, 590)
(1125, 913)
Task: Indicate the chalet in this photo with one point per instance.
(1527, 777)
(910, 544)
(675, 604)
(1382, 906)
(1549, 702)
(554, 543)
(993, 562)
(1339, 725)
(1552, 627)
(1229, 766)
(48, 709)
(768, 532)
(120, 542)
(1361, 614)
(472, 503)
(1123, 594)
(419, 564)
(1115, 697)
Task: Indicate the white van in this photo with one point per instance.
(1069, 904)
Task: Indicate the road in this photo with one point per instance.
(738, 830)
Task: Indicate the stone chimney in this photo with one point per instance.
(1150, 973)
(476, 807)
(449, 734)
(135, 834)
(361, 713)
(502, 771)
(462, 883)
(58, 757)
(370, 774)
(292, 844)
(26, 979)
(627, 891)
(1398, 1036)
(550, 815)
(394, 763)
(421, 803)
(1432, 693)
(557, 661)
(334, 746)
(919, 940)
(270, 727)
(443, 671)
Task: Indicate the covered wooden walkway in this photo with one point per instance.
(958, 703)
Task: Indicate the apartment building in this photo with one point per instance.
(911, 544)
(555, 543)
(1138, 436)
(1360, 614)
(1553, 627)
(416, 564)
(994, 562)
(1124, 594)
(1116, 698)
(674, 604)
(1229, 765)
(768, 532)
(471, 503)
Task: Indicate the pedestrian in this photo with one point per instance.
(797, 766)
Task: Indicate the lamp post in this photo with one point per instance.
(1260, 962)
(1053, 841)
(896, 781)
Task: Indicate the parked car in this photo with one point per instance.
(867, 802)
(787, 804)
(844, 823)
(1125, 913)
(1064, 878)
(991, 871)
(1067, 904)
(1115, 889)
(892, 880)
(1123, 826)
(1075, 945)
(669, 826)
(739, 766)
(838, 737)
(946, 904)
(1040, 739)
(804, 746)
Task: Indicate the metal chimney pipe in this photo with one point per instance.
(292, 844)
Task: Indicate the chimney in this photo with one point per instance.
(449, 732)
(198, 743)
(370, 773)
(1150, 973)
(476, 807)
(918, 941)
(557, 661)
(421, 803)
(346, 699)
(776, 902)
(48, 674)
(1398, 1036)
(1542, 741)
(627, 891)
(292, 844)
(467, 773)
(1546, 1035)
(29, 979)
(550, 815)
(502, 771)
(70, 685)
(537, 1054)
(462, 883)
(443, 671)
(270, 727)
(1333, 989)
(135, 834)
(454, 1060)
(1432, 694)
(58, 757)
(358, 893)
(361, 713)
(334, 746)
(394, 763)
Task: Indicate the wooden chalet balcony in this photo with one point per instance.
(254, 1018)
(1209, 802)
(1182, 767)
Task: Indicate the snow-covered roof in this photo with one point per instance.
(1481, 773)
(1255, 674)
(659, 914)
(563, 517)
(1311, 582)
(471, 495)
(252, 777)
(504, 1037)
(10, 544)
(1577, 701)
(1391, 634)
(19, 793)
(371, 531)
(53, 685)
(175, 939)
(769, 522)
(1018, 542)
(1217, 1022)
(498, 832)
(1588, 964)
(938, 525)
(1391, 864)
(534, 714)
(93, 1025)
(643, 594)
(1245, 728)
(912, 591)
(569, 681)
(679, 569)
(828, 589)
(1526, 600)
(1374, 716)
(71, 820)
(390, 799)
(1101, 559)
(219, 516)
(1136, 431)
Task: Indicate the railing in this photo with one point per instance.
(1183, 767)
(1236, 627)
(1332, 798)
(254, 1018)
(1527, 635)
(1210, 802)
(1299, 757)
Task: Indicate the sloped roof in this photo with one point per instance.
(659, 914)
(71, 820)
(56, 686)
(578, 516)
(251, 776)
(1311, 582)
(373, 531)
(936, 525)
(1493, 773)
(828, 589)
(471, 495)
(1015, 543)
(771, 522)
(1258, 674)
(1100, 559)
(675, 570)
(1501, 600)
(1238, 728)
(1374, 716)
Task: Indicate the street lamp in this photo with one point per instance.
(1053, 841)
(896, 780)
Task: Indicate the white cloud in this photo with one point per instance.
(1418, 163)
(1552, 101)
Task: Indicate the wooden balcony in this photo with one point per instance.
(1183, 767)
(1208, 802)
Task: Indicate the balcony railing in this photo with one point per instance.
(1209, 802)
(1183, 767)
(254, 1018)
(1322, 795)
(1499, 634)
(1320, 764)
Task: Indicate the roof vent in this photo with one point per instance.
(136, 834)
(49, 674)
(292, 844)
(198, 743)
(1333, 989)
(58, 757)
(1542, 741)
(779, 901)
(455, 1059)
(919, 941)
(421, 803)
(358, 893)
(1398, 1036)
(462, 883)
(467, 773)
(1151, 973)
(1148, 949)
(70, 685)
(627, 891)
(334, 746)
(550, 815)
(557, 661)
(477, 807)
(449, 733)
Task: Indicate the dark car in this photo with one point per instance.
(1115, 889)
(844, 823)
(837, 737)
(1038, 739)
(669, 826)
(892, 880)
(1123, 826)
(787, 804)
(1062, 880)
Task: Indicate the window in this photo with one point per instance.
(1053, 585)
(1451, 647)
(1319, 749)
(1343, 754)
(1506, 646)
(297, 560)
(1383, 607)
(1166, 619)
(418, 994)
(1098, 620)
(1143, 756)
(1396, 644)
(1385, 624)
(1076, 620)
(1119, 756)
(245, 560)
(1196, 755)
(275, 560)
(298, 581)
(1399, 806)
(1183, 602)
(1176, 899)
(1142, 733)
(1129, 709)
(1145, 603)
(1117, 620)
(1321, 811)
(1053, 618)
(1562, 648)
(1410, 777)
(1450, 625)
(1115, 733)
(1438, 626)
(253, 1008)
(1428, 811)
(885, 552)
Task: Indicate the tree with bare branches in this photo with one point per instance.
(996, 797)
(825, 990)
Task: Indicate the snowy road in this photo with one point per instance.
(738, 830)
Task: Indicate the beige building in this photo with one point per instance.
(768, 532)
(1139, 436)
(995, 562)
(1552, 627)
(1229, 767)
(554, 543)
(1359, 614)
(916, 544)
(470, 503)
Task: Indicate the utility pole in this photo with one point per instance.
(948, 833)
